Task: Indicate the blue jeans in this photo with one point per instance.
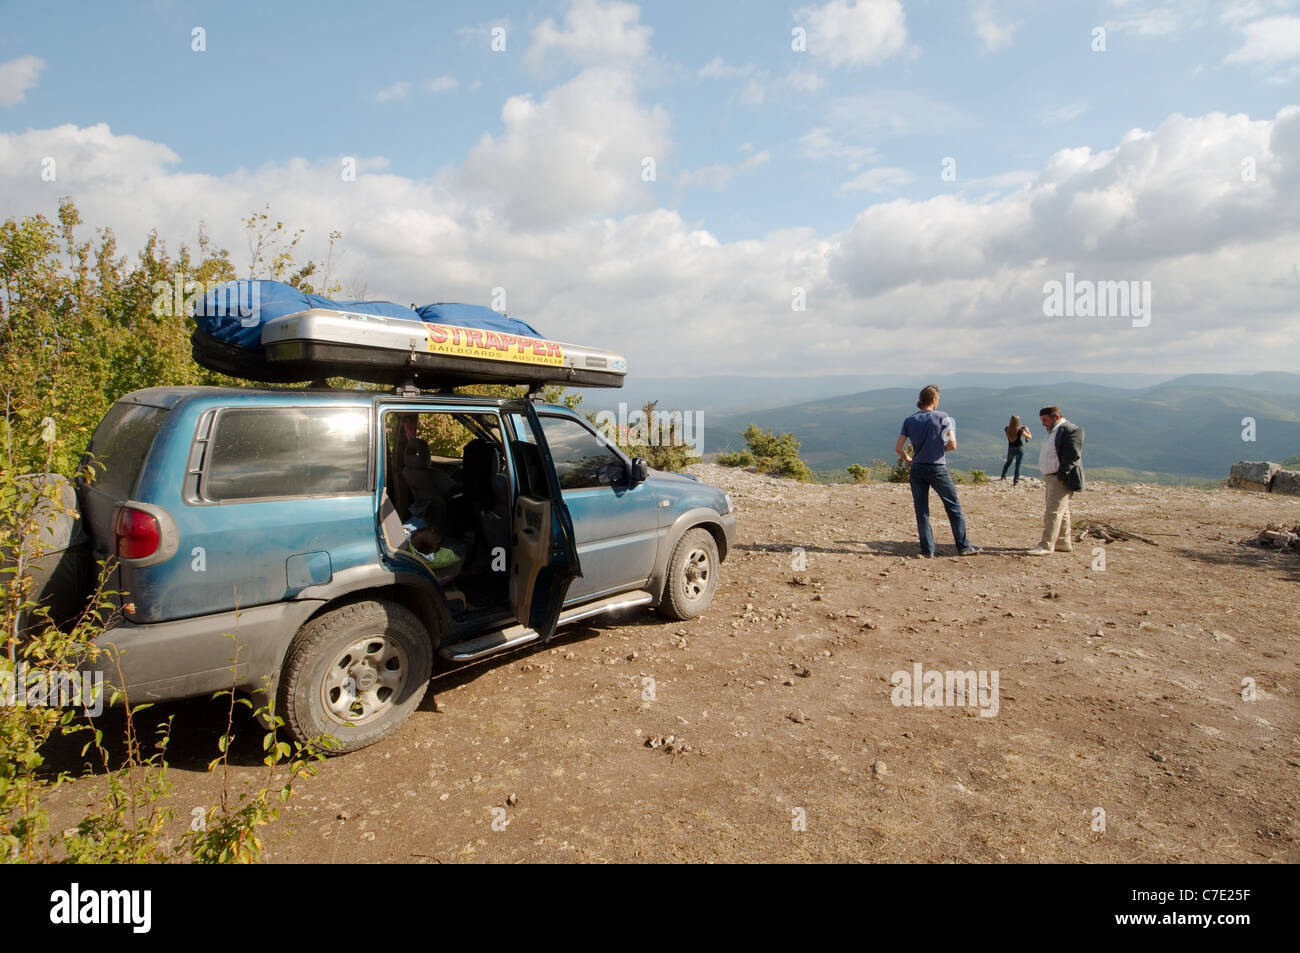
(1017, 454)
(927, 476)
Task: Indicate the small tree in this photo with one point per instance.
(773, 454)
(901, 472)
(858, 473)
(661, 441)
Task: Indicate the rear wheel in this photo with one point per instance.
(355, 673)
(692, 575)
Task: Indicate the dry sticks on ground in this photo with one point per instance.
(1106, 532)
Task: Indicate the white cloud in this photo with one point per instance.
(994, 32)
(893, 113)
(602, 265)
(398, 91)
(1015, 179)
(17, 77)
(440, 84)
(1240, 11)
(593, 33)
(804, 81)
(717, 175)
(880, 179)
(861, 33)
(820, 144)
(765, 87)
(1268, 41)
(482, 33)
(1172, 192)
(1158, 21)
(577, 152)
(1064, 113)
(85, 157)
(717, 68)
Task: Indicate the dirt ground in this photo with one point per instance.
(765, 730)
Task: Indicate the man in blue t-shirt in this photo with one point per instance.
(932, 434)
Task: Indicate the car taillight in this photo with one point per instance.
(138, 534)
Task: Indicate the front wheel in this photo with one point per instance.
(692, 575)
(355, 673)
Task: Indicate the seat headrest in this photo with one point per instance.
(481, 458)
(417, 454)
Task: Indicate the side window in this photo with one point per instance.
(287, 451)
(581, 458)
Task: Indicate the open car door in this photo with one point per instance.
(543, 553)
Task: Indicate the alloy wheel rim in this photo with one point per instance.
(698, 572)
(365, 680)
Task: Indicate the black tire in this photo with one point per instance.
(692, 575)
(355, 673)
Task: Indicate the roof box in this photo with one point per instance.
(277, 334)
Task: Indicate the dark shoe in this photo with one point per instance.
(969, 551)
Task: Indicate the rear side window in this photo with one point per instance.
(120, 444)
(256, 453)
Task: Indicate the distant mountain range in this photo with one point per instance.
(1189, 426)
(729, 394)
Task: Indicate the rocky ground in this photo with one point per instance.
(1145, 711)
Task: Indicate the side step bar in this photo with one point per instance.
(503, 640)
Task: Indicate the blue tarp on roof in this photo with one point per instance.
(474, 316)
(235, 311)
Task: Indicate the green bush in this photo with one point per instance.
(901, 472)
(737, 458)
(858, 473)
(773, 454)
(81, 325)
(127, 821)
(979, 476)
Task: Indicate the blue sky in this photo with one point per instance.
(755, 144)
(279, 81)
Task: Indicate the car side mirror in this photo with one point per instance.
(638, 472)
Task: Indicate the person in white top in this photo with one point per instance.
(1061, 479)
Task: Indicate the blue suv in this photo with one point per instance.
(320, 529)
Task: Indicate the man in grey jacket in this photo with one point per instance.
(1061, 460)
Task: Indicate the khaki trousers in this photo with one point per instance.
(1056, 517)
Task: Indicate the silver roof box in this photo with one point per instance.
(322, 342)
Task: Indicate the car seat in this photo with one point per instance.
(429, 487)
(486, 494)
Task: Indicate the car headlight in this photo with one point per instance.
(731, 507)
